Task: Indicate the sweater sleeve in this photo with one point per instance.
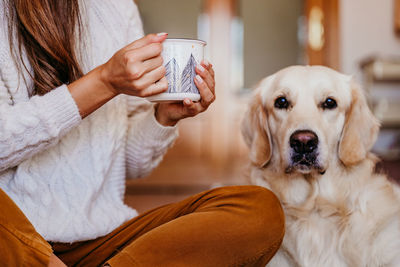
(30, 127)
(147, 141)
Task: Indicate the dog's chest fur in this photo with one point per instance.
(339, 221)
(328, 237)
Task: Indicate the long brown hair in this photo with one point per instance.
(47, 31)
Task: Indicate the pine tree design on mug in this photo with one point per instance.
(188, 74)
(172, 74)
(186, 82)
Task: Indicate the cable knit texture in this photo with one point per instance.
(66, 174)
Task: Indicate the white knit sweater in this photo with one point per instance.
(67, 174)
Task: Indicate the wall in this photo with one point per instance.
(177, 17)
(270, 36)
(366, 27)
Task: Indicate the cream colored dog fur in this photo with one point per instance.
(338, 211)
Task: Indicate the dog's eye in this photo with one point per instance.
(329, 103)
(281, 103)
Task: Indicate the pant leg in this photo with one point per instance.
(229, 226)
(20, 244)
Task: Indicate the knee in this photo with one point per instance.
(265, 213)
(257, 208)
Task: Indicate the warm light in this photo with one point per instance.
(316, 37)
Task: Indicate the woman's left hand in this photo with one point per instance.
(168, 114)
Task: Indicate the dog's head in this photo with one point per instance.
(304, 117)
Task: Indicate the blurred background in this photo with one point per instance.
(251, 39)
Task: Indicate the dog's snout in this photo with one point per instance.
(303, 142)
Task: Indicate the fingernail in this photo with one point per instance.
(199, 79)
(200, 67)
(187, 101)
(162, 34)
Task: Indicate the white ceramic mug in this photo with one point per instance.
(180, 59)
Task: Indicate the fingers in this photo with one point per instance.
(207, 95)
(142, 60)
(155, 88)
(148, 39)
(149, 78)
(192, 109)
(138, 69)
(205, 82)
(209, 67)
(143, 53)
(205, 74)
(153, 63)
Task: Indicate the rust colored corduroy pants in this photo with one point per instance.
(227, 226)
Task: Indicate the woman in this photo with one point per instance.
(72, 121)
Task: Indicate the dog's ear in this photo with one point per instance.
(255, 131)
(360, 129)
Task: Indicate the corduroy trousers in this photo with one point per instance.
(227, 226)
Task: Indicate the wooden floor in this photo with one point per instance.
(173, 181)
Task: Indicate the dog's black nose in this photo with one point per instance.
(303, 142)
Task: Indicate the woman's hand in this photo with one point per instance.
(168, 114)
(137, 69)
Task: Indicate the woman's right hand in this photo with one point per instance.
(137, 69)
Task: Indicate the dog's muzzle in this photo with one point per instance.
(304, 152)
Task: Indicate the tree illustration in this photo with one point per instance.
(172, 74)
(188, 74)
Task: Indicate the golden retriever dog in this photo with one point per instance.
(310, 132)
